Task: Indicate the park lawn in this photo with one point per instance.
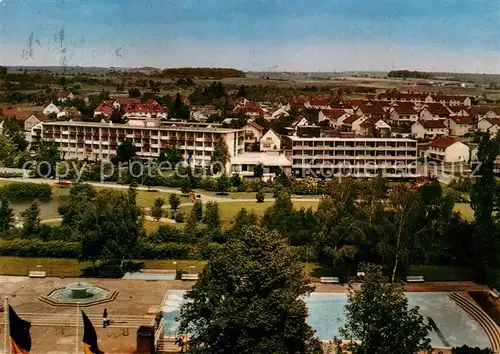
(232, 195)
(228, 210)
(441, 273)
(465, 210)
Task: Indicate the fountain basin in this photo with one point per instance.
(82, 293)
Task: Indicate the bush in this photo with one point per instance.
(11, 174)
(465, 349)
(260, 196)
(26, 191)
(179, 218)
(166, 250)
(38, 248)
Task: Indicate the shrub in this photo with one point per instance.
(26, 191)
(179, 218)
(260, 196)
(38, 248)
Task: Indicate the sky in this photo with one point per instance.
(254, 35)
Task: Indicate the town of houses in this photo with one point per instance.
(387, 134)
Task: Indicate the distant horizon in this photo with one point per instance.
(294, 36)
(143, 67)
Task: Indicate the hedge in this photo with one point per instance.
(23, 190)
(38, 248)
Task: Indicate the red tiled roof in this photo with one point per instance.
(437, 109)
(351, 119)
(256, 126)
(401, 95)
(463, 119)
(442, 97)
(80, 97)
(443, 142)
(372, 109)
(318, 102)
(433, 124)
(481, 110)
(63, 94)
(405, 108)
(333, 113)
(493, 121)
(105, 109)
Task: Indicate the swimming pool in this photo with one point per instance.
(326, 315)
(150, 276)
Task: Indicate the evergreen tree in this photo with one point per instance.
(31, 219)
(174, 201)
(258, 171)
(6, 215)
(198, 210)
(483, 203)
(190, 229)
(220, 156)
(157, 209)
(249, 300)
(212, 218)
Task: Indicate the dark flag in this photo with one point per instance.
(89, 337)
(19, 331)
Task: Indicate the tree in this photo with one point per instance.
(7, 151)
(483, 203)
(174, 201)
(258, 171)
(190, 228)
(157, 209)
(126, 151)
(223, 183)
(134, 93)
(47, 156)
(242, 221)
(13, 129)
(198, 210)
(248, 300)
(171, 154)
(178, 109)
(211, 217)
(6, 215)
(378, 317)
(260, 196)
(31, 219)
(116, 116)
(220, 157)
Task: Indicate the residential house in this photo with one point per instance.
(434, 111)
(490, 125)
(460, 126)
(51, 108)
(299, 121)
(202, 113)
(317, 103)
(279, 113)
(459, 110)
(396, 96)
(429, 129)
(149, 109)
(34, 119)
(371, 110)
(448, 150)
(250, 109)
(270, 141)
(64, 95)
(374, 127)
(404, 112)
(452, 100)
(352, 123)
(104, 110)
(334, 116)
(481, 112)
(253, 134)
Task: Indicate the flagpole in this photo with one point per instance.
(5, 337)
(77, 323)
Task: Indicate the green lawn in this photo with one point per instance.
(228, 210)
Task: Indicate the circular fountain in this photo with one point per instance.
(86, 294)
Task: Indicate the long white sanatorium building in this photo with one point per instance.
(323, 157)
(98, 141)
(320, 157)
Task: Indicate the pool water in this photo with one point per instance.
(149, 276)
(326, 315)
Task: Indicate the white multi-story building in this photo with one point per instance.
(325, 157)
(98, 141)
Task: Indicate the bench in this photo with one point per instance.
(414, 278)
(189, 277)
(495, 293)
(37, 274)
(329, 280)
